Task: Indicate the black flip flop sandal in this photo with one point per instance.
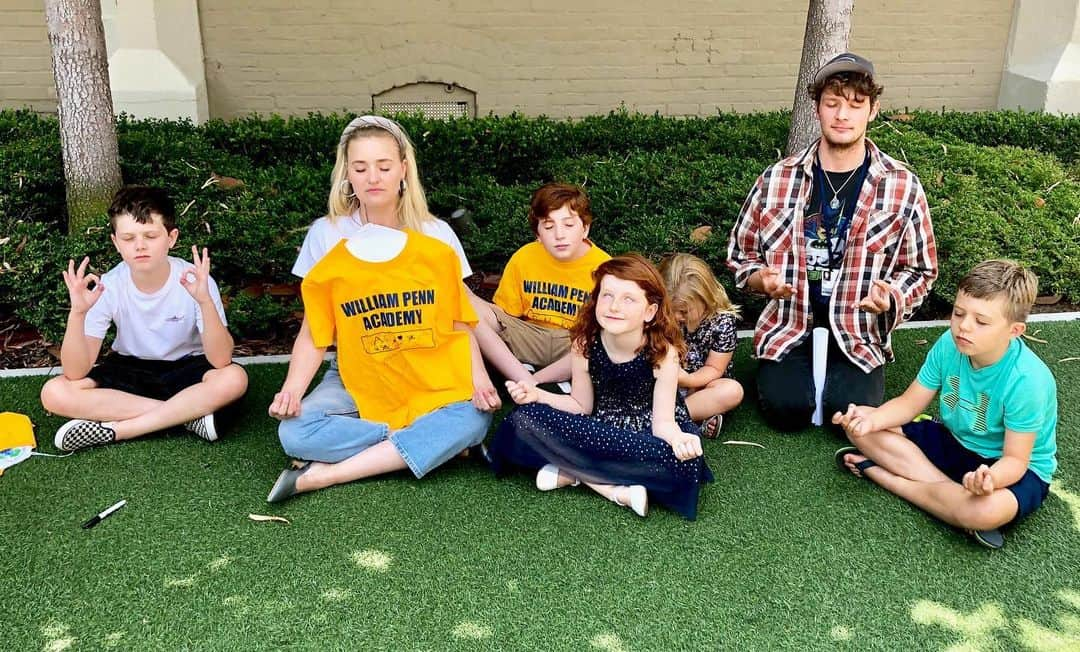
(839, 455)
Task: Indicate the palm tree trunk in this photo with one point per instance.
(828, 29)
(84, 106)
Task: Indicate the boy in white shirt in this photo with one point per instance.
(172, 356)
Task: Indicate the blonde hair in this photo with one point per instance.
(1005, 278)
(412, 208)
(689, 278)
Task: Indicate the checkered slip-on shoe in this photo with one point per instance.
(80, 433)
(203, 427)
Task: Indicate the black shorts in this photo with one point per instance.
(952, 459)
(156, 379)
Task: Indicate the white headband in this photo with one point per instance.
(376, 122)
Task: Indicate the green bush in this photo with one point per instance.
(258, 315)
(1045, 132)
(31, 169)
(652, 181)
(994, 203)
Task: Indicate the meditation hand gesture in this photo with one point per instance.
(879, 300)
(78, 285)
(484, 397)
(979, 481)
(773, 286)
(857, 421)
(197, 280)
(522, 392)
(286, 404)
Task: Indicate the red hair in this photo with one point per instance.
(661, 333)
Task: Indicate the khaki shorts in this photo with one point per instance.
(529, 342)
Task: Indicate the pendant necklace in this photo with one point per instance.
(834, 203)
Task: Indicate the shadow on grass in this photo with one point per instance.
(988, 627)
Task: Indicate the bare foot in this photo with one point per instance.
(551, 477)
(565, 479)
(851, 459)
(309, 479)
(710, 428)
(622, 495)
(634, 497)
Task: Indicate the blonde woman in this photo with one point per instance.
(375, 180)
(708, 320)
(375, 183)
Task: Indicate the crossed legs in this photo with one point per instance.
(618, 494)
(903, 469)
(498, 353)
(718, 397)
(132, 415)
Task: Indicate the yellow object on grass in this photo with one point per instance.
(16, 439)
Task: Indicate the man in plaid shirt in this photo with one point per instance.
(837, 236)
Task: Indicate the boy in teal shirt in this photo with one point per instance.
(989, 461)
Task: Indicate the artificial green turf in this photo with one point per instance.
(787, 552)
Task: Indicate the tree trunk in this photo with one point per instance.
(828, 28)
(84, 105)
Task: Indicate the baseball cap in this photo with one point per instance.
(845, 62)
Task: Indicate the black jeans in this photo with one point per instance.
(786, 388)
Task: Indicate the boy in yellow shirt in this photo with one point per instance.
(542, 288)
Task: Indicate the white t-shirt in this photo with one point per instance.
(163, 325)
(324, 234)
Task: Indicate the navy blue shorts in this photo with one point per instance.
(950, 456)
(156, 379)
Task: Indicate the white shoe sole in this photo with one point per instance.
(211, 431)
(63, 430)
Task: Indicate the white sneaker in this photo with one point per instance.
(639, 500)
(203, 427)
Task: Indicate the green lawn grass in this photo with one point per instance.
(787, 552)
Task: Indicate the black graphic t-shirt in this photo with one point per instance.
(828, 218)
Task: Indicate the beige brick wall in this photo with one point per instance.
(557, 57)
(26, 78)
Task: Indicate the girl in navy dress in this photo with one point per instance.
(623, 431)
(707, 317)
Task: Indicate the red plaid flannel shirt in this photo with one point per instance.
(890, 238)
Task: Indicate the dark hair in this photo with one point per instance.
(843, 83)
(553, 196)
(142, 203)
(660, 333)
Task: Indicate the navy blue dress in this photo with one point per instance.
(613, 445)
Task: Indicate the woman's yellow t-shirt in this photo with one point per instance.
(398, 353)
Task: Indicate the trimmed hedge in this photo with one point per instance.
(1045, 132)
(652, 180)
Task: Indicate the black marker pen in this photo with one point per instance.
(97, 518)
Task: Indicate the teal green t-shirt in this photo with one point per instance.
(1017, 393)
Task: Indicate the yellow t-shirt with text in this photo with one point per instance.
(398, 353)
(544, 290)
